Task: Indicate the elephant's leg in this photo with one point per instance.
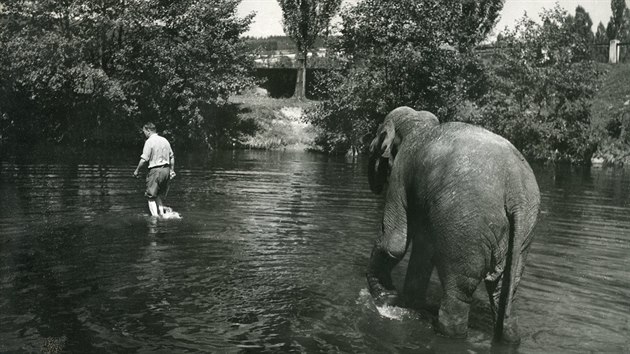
(379, 277)
(418, 274)
(388, 250)
(455, 306)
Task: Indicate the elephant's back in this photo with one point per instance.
(464, 143)
(461, 136)
(471, 159)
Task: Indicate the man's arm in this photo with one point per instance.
(141, 163)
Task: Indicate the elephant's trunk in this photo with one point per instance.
(377, 173)
(379, 278)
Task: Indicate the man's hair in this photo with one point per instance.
(150, 127)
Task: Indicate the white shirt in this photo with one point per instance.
(157, 151)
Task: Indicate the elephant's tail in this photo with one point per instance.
(519, 239)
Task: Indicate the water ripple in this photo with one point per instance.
(270, 255)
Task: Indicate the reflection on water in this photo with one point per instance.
(270, 253)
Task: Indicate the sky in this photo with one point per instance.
(269, 16)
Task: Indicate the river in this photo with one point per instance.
(269, 255)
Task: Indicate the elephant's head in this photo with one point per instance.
(400, 124)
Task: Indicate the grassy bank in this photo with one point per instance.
(610, 114)
(279, 121)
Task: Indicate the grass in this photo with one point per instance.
(280, 122)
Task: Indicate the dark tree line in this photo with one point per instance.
(93, 71)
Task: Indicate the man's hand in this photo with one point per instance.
(141, 163)
(173, 174)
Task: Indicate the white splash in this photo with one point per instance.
(390, 312)
(393, 312)
(169, 213)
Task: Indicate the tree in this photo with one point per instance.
(600, 49)
(600, 36)
(408, 52)
(624, 33)
(304, 21)
(476, 19)
(618, 23)
(581, 24)
(84, 71)
(542, 90)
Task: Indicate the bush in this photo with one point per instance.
(85, 71)
(402, 53)
(542, 90)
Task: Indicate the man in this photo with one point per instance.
(158, 154)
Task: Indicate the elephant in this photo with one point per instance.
(467, 201)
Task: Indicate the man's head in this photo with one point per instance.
(148, 129)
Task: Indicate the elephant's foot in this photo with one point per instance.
(379, 278)
(383, 295)
(510, 333)
(451, 329)
(453, 318)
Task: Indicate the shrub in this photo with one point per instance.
(542, 90)
(402, 53)
(86, 71)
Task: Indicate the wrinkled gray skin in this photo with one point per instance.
(467, 200)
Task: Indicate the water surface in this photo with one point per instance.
(270, 255)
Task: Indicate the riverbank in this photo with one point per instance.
(281, 125)
(280, 122)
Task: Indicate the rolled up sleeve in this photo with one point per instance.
(146, 151)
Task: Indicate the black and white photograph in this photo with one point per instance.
(314, 176)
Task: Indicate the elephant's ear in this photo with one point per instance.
(390, 142)
(382, 153)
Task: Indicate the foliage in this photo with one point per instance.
(611, 115)
(323, 61)
(542, 89)
(304, 21)
(581, 25)
(600, 35)
(85, 71)
(402, 53)
(619, 23)
(283, 62)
